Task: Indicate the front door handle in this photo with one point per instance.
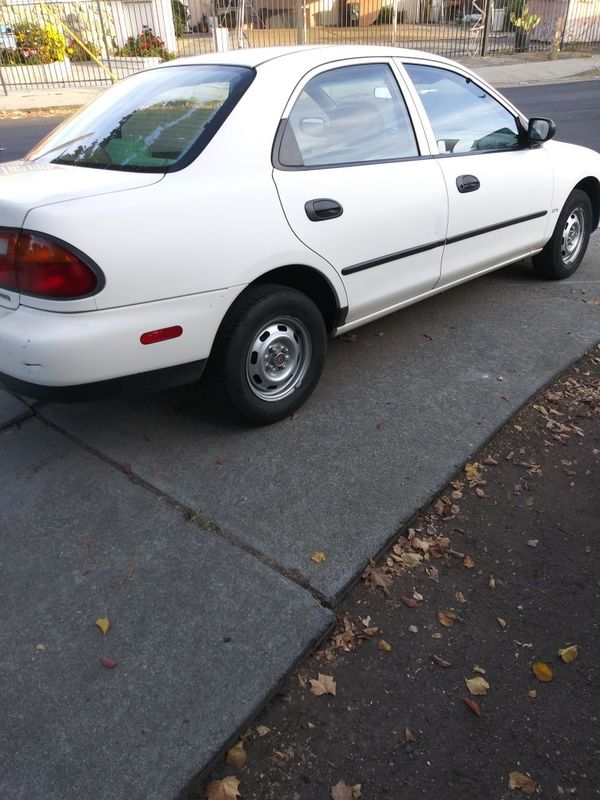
(467, 183)
(323, 208)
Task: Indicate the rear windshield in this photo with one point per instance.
(155, 121)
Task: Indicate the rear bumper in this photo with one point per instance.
(142, 383)
(54, 355)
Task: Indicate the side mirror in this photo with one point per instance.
(540, 130)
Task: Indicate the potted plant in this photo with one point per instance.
(524, 23)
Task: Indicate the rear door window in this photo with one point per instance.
(348, 115)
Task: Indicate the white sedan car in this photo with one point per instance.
(231, 211)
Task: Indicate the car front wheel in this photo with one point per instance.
(269, 353)
(564, 252)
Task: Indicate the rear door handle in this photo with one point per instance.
(467, 183)
(323, 208)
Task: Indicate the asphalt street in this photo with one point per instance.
(194, 534)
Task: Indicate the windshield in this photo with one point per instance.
(154, 121)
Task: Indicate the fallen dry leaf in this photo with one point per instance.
(324, 684)
(341, 791)
(236, 756)
(413, 629)
(441, 662)
(318, 557)
(410, 602)
(459, 597)
(383, 645)
(349, 337)
(468, 562)
(446, 618)
(516, 780)
(492, 583)
(104, 624)
(502, 622)
(532, 693)
(374, 576)
(533, 542)
(542, 671)
(226, 789)
(489, 461)
(473, 706)
(262, 730)
(408, 735)
(477, 685)
(472, 472)
(569, 654)
(108, 662)
(478, 669)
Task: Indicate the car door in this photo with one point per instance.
(358, 185)
(499, 189)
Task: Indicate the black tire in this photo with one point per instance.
(269, 353)
(565, 250)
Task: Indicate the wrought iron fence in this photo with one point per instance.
(91, 42)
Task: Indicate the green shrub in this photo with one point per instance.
(144, 44)
(77, 53)
(36, 44)
(179, 18)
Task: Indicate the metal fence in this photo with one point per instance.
(91, 42)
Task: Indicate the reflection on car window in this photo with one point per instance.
(463, 116)
(148, 122)
(348, 115)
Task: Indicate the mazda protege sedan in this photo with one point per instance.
(232, 211)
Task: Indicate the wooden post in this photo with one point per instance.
(558, 34)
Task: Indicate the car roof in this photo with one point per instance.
(303, 55)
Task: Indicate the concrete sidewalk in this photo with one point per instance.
(499, 71)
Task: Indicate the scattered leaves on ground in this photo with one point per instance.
(262, 730)
(384, 646)
(516, 780)
(104, 624)
(226, 789)
(477, 685)
(473, 705)
(318, 557)
(324, 684)
(236, 756)
(569, 654)
(446, 618)
(542, 671)
(341, 791)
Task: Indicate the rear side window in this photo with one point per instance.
(348, 115)
(464, 117)
(151, 122)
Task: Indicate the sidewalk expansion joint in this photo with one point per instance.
(194, 516)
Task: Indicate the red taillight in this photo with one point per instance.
(32, 264)
(8, 273)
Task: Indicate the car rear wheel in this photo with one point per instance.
(269, 353)
(565, 251)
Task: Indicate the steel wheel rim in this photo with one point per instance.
(573, 236)
(278, 358)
